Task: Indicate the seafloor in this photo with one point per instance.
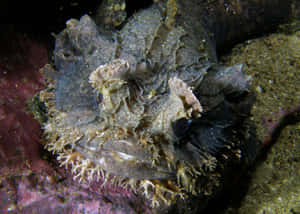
(273, 64)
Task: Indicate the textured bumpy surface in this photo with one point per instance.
(146, 108)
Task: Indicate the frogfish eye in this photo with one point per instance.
(181, 126)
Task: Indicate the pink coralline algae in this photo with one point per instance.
(19, 133)
(278, 121)
(19, 81)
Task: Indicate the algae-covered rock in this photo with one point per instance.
(273, 64)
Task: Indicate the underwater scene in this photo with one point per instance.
(164, 106)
